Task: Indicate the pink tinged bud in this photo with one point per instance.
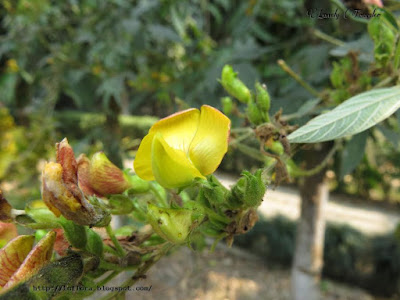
(83, 176)
(60, 190)
(105, 177)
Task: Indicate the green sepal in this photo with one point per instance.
(139, 186)
(75, 234)
(120, 205)
(94, 243)
(173, 225)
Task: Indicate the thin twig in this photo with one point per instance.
(297, 77)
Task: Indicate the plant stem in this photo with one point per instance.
(108, 278)
(110, 250)
(113, 238)
(110, 266)
(297, 77)
(254, 153)
(328, 38)
(141, 271)
(383, 82)
(160, 197)
(242, 137)
(299, 172)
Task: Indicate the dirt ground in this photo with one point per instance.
(226, 274)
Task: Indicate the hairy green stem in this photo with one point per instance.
(113, 238)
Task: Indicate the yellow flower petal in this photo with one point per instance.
(178, 129)
(211, 140)
(142, 162)
(171, 167)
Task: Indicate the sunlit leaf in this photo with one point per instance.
(13, 255)
(36, 259)
(351, 117)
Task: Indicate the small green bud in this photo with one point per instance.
(234, 86)
(263, 99)
(254, 114)
(75, 234)
(227, 105)
(215, 194)
(275, 146)
(337, 76)
(249, 189)
(384, 39)
(173, 225)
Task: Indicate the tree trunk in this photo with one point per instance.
(112, 133)
(308, 256)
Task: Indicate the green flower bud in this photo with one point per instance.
(275, 146)
(262, 98)
(234, 86)
(227, 105)
(249, 189)
(173, 225)
(254, 114)
(215, 194)
(384, 39)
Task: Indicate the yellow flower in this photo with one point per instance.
(184, 146)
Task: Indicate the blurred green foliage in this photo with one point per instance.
(371, 262)
(70, 68)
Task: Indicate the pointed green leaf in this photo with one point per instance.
(351, 117)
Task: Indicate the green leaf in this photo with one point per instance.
(94, 243)
(351, 117)
(75, 234)
(50, 281)
(352, 153)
